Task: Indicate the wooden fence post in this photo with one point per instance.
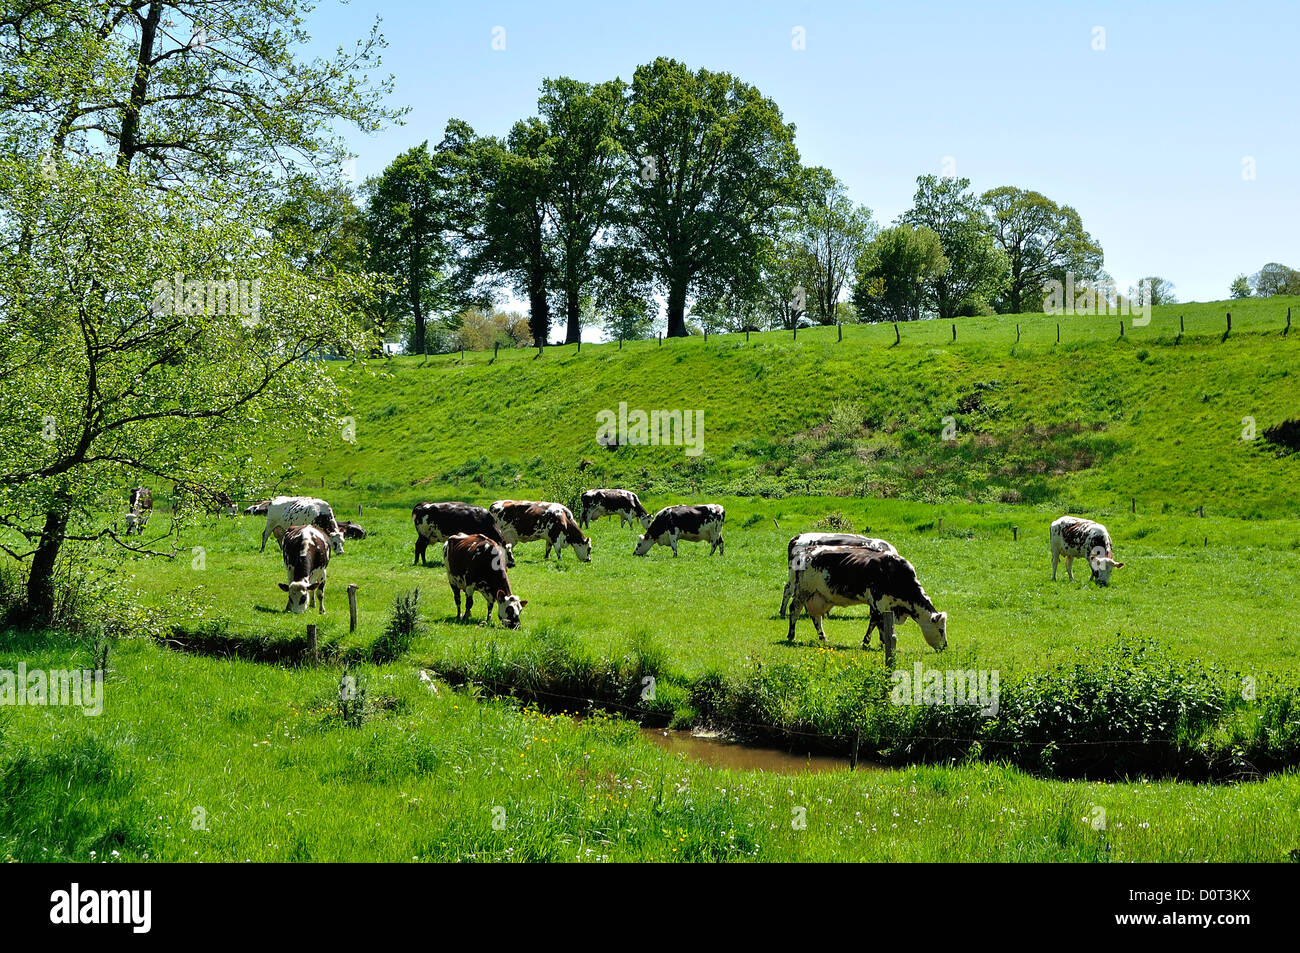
(954, 332)
(1017, 334)
(312, 647)
(840, 328)
(661, 339)
(796, 332)
(746, 335)
(1058, 332)
(898, 339)
(539, 349)
(620, 344)
(495, 348)
(1229, 331)
(359, 508)
(1121, 328)
(1180, 325)
(1288, 322)
(887, 637)
(1133, 505)
(1015, 534)
(352, 607)
(940, 527)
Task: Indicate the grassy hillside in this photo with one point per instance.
(1090, 423)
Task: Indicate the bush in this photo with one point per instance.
(404, 625)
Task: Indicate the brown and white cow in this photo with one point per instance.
(352, 530)
(257, 509)
(1077, 538)
(476, 563)
(852, 576)
(621, 503)
(285, 512)
(306, 555)
(141, 508)
(694, 524)
(438, 522)
(527, 521)
(799, 546)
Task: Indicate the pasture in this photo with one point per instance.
(799, 436)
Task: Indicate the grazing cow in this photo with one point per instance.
(476, 563)
(854, 575)
(438, 522)
(141, 508)
(702, 523)
(285, 512)
(1073, 538)
(306, 554)
(621, 503)
(352, 530)
(799, 545)
(258, 509)
(524, 521)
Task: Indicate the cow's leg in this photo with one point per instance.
(265, 533)
(817, 622)
(1056, 557)
(456, 592)
(421, 544)
(872, 623)
(721, 551)
(320, 597)
(491, 602)
(469, 602)
(672, 540)
(1069, 567)
(796, 604)
(785, 598)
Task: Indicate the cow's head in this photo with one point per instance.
(934, 626)
(336, 543)
(645, 519)
(643, 546)
(509, 609)
(132, 522)
(1101, 569)
(583, 550)
(299, 593)
(510, 555)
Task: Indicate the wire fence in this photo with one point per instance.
(1172, 325)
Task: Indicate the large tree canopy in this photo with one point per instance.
(712, 164)
(976, 266)
(896, 272)
(1042, 241)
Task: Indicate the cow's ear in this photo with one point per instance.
(1118, 565)
(522, 603)
(284, 587)
(501, 595)
(314, 585)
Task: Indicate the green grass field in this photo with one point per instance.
(1139, 432)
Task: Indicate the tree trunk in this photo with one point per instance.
(127, 143)
(418, 311)
(40, 581)
(573, 309)
(539, 311)
(677, 310)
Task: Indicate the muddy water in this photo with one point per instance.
(716, 751)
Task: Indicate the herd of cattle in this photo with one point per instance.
(825, 569)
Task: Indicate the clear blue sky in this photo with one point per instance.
(1146, 138)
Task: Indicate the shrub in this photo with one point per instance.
(404, 625)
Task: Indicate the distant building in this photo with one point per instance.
(394, 347)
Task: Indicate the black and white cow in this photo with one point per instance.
(526, 521)
(285, 512)
(352, 530)
(799, 545)
(306, 555)
(476, 563)
(139, 511)
(438, 522)
(1077, 538)
(621, 503)
(854, 575)
(694, 524)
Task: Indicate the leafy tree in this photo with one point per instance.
(1276, 279)
(1042, 241)
(140, 149)
(174, 89)
(1154, 290)
(319, 225)
(1240, 287)
(586, 171)
(479, 330)
(110, 377)
(711, 162)
(896, 274)
(977, 267)
(410, 225)
(833, 232)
